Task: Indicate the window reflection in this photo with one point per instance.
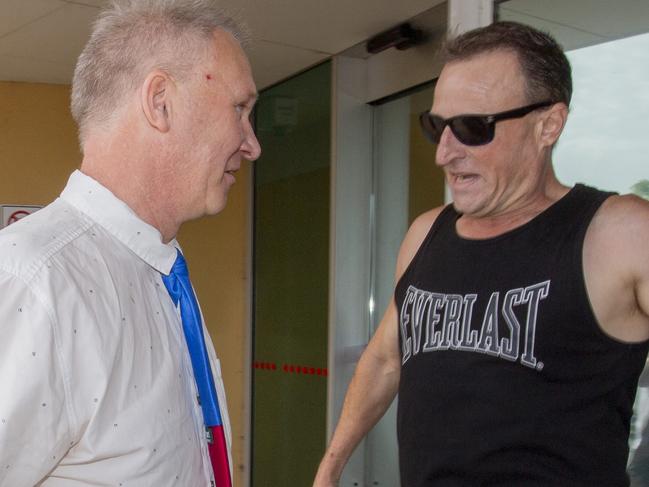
(639, 438)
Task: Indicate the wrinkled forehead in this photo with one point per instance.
(485, 83)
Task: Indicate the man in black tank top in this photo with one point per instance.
(520, 320)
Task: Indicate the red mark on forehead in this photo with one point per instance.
(208, 76)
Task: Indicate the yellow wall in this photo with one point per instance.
(38, 151)
(38, 142)
(426, 179)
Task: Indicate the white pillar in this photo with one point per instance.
(350, 239)
(464, 15)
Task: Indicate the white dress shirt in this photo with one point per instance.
(96, 383)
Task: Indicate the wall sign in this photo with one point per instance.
(11, 213)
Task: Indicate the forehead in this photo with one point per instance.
(229, 63)
(485, 83)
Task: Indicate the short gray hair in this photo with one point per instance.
(132, 37)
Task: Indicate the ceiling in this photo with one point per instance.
(580, 23)
(41, 39)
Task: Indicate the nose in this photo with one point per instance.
(448, 149)
(250, 146)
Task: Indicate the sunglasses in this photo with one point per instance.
(472, 129)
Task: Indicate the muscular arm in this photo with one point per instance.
(642, 270)
(616, 267)
(376, 379)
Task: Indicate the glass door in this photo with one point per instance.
(406, 183)
(291, 262)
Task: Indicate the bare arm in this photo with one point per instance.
(376, 379)
(370, 393)
(642, 268)
(616, 267)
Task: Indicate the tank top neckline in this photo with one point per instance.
(538, 219)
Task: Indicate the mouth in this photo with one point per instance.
(230, 174)
(462, 178)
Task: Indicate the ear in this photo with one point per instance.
(552, 122)
(155, 99)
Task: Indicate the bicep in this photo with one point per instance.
(633, 250)
(616, 267)
(643, 286)
(384, 345)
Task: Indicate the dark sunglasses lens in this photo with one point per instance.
(472, 130)
(432, 126)
(469, 130)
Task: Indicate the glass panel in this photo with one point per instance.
(608, 117)
(608, 112)
(426, 187)
(406, 183)
(605, 137)
(291, 259)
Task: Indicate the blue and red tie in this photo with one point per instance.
(182, 294)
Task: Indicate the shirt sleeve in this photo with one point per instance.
(34, 417)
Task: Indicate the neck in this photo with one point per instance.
(519, 210)
(132, 177)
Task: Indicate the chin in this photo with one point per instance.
(459, 203)
(216, 201)
(468, 208)
(216, 208)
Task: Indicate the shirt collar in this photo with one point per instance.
(102, 206)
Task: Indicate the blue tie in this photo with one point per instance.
(182, 294)
(180, 289)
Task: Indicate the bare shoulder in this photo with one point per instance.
(414, 237)
(620, 234)
(616, 267)
(623, 220)
(385, 342)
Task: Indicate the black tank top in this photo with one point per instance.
(506, 377)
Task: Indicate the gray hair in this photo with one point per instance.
(132, 37)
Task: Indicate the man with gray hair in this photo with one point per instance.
(108, 375)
